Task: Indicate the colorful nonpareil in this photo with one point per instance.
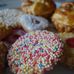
(34, 52)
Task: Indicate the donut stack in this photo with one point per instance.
(32, 47)
(14, 23)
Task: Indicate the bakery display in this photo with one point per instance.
(35, 52)
(63, 18)
(68, 39)
(3, 52)
(8, 20)
(32, 23)
(26, 33)
(38, 7)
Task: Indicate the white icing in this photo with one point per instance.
(31, 22)
(9, 17)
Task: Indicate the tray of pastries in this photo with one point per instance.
(37, 37)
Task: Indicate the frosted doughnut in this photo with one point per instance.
(31, 22)
(12, 18)
(8, 17)
(35, 52)
(8, 20)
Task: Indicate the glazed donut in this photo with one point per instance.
(38, 7)
(63, 18)
(13, 18)
(32, 23)
(8, 20)
(3, 52)
(68, 39)
(35, 52)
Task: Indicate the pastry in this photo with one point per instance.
(3, 52)
(8, 20)
(32, 23)
(38, 7)
(63, 18)
(13, 18)
(4, 32)
(68, 39)
(16, 33)
(35, 52)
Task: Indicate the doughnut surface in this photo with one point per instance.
(31, 23)
(34, 52)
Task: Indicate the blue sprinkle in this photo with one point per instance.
(41, 65)
(16, 49)
(41, 50)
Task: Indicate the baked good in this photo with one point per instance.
(3, 52)
(4, 32)
(8, 20)
(68, 39)
(16, 33)
(32, 23)
(63, 18)
(35, 52)
(38, 7)
(13, 18)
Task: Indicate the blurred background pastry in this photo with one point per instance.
(3, 52)
(68, 39)
(63, 18)
(16, 33)
(8, 21)
(38, 7)
(4, 32)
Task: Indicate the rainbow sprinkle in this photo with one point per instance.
(34, 52)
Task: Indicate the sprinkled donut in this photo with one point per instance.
(35, 52)
(31, 22)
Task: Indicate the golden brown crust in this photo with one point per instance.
(38, 7)
(3, 52)
(4, 32)
(63, 18)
